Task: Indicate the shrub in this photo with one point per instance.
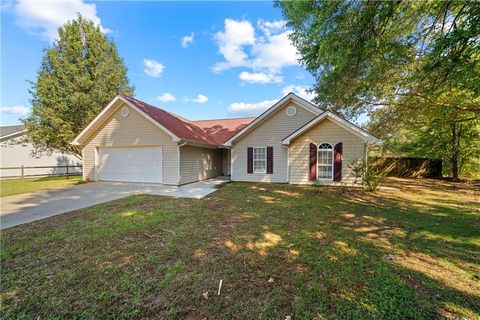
(370, 177)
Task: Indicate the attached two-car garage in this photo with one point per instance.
(130, 164)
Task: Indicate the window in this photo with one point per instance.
(325, 162)
(260, 160)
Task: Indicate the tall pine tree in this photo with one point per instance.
(78, 76)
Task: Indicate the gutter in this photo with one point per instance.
(13, 135)
(183, 142)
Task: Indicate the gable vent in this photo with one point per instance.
(291, 111)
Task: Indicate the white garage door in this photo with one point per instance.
(133, 164)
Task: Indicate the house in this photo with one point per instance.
(291, 142)
(16, 151)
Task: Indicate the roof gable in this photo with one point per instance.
(269, 112)
(205, 132)
(347, 125)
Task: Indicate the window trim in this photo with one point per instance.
(326, 165)
(265, 160)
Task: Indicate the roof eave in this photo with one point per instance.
(13, 135)
(197, 144)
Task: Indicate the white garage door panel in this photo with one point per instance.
(134, 164)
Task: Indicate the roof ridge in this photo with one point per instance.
(183, 118)
(240, 118)
(151, 105)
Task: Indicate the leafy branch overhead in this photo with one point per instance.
(365, 53)
(78, 76)
(413, 65)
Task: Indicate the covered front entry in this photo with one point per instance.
(130, 164)
(227, 162)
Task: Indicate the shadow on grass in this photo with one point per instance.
(348, 251)
(54, 178)
(308, 252)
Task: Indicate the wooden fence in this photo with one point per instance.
(69, 170)
(409, 167)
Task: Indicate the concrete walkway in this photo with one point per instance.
(25, 208)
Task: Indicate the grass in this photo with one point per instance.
(305, 251)
(10, 187)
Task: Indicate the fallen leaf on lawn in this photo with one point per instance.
(391, 257)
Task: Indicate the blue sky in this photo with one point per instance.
(200, 60)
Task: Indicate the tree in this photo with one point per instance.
(78, 76)
(442, 135)
(419, 59)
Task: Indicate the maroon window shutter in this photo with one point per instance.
(270, 160)
(313, 162)
(337, 163)
(249, 160)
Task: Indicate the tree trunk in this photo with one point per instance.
(454, 155)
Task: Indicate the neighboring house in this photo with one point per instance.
(291, 142)
(15, 152)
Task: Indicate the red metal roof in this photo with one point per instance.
(212, 132)
(223, 129)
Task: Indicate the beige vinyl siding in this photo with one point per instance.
(199, 163)
(325, 131)
(269, 134)
(134, 130)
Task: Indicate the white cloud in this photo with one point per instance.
(166, 97)
(231, 42)
(250, 109)
(199, 99)
(240, 46)
(301, 91)
(254, 109)
(17, 110)
(187, 40)
(45, 17)
(153, 68)
(275, 53)
(269, 27)
(260, 77)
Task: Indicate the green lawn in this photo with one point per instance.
(307, 252)
(10, 187)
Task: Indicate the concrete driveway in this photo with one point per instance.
(25, 208)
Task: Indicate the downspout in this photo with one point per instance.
(180, 144)
(365, 156)
(288, 164)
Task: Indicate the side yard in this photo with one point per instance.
(10, 187)
(305, 251)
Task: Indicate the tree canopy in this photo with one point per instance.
(78, 76)
(411, 64)
(367, 53)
